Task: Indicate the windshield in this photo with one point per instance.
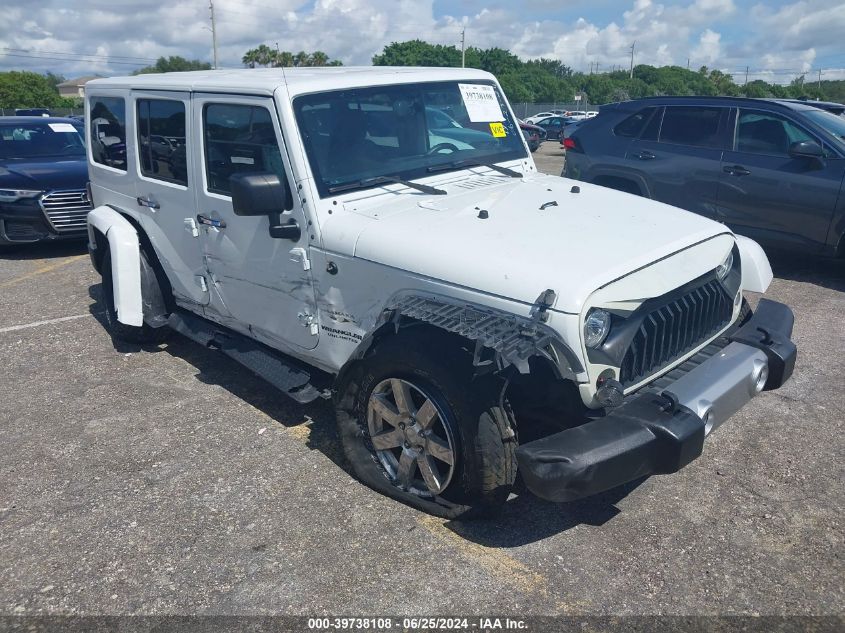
(37, 140)
(402, 131)
(830, 122)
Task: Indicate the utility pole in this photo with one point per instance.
(463, 48)
(597, 68)
(746, 78)
(820, 84)
(632, 59)
(687, 63)
(213, 31)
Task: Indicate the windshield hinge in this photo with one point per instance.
(300, 256)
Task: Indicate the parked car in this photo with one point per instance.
(534, 135)
(442, 296)
(554, 126)
(539, 116)
(831, 106)
(771, 170)
(32, 112)
(43, 174)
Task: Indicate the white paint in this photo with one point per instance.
(26, 326)
(62, 127)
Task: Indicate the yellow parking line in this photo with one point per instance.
(496, 562)
(41, 270)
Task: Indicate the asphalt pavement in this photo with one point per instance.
(167, 480)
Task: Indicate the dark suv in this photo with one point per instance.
(772, 170)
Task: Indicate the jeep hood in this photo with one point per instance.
(537, 234)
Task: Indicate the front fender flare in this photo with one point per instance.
(125, 253)
(756, 270)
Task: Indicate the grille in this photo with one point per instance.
(66, 210)
(674, 329)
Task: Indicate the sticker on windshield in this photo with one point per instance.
(62, 127)
(498, 130)
(481, 103)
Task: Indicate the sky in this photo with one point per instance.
(776, 39)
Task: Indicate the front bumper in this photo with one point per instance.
(660, 433)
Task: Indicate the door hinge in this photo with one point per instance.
(201, 283)
(301, 256)
(191, 227)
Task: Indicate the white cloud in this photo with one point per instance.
(716, 33)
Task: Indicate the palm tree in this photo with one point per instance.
(283, 58)
(250, 58)
(319, 58)
(264, 55)
(300, 59)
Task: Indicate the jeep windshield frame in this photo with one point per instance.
(401, 131)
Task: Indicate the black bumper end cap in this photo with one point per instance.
(769, 330)
(648, 435)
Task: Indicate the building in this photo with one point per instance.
(75, 88)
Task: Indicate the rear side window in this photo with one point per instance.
(161, 140)
(238, 138)
(633, 125)
(108, 131)
(691, 125)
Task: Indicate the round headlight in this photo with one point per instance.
(596, 327)
(724, 268)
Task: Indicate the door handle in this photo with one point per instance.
(207, 221)
(147, 202)
(645, 155)
(735, 170)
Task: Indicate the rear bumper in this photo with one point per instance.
(659, 433)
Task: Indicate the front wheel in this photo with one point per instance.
(416, 426)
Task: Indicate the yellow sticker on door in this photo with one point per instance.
(498, 130)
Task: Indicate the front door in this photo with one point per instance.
(259, 284)
(164, 187)
(770, 196)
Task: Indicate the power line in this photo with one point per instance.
(65, 53)
(65, 59)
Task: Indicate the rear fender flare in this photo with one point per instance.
(125, 250)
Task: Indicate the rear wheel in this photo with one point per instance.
(131, 333)
(416, 426)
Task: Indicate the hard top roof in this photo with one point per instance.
(297, 80)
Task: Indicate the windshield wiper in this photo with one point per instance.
(378, 180)
(469, 162)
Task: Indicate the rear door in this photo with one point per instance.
(164, 189)
(261, 285)
(770, 196)
(679, 155)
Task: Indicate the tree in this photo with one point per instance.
(263, 55)
(319, 58)
(29, 90)
(173, 64)
(301, 59)
(250, 58)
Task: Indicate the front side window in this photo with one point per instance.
(40, 140)
(691, 125)
(238, 138)
(161, 140)
(107, 128)
(765, 133)
(405, 131)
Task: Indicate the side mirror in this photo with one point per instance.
(259, 194)
(806, 149)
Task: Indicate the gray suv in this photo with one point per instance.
(770, 169)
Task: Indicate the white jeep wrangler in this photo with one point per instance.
(381, 237)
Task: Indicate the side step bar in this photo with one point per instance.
(284, 373)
